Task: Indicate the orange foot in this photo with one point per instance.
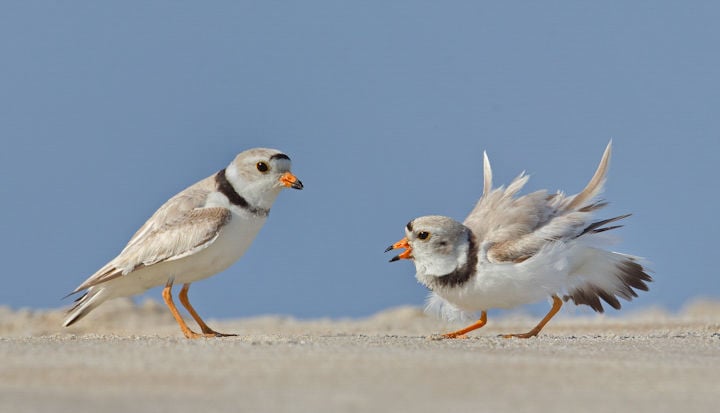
(521, 335)
(211, 334)
(454, 335)
(557, 303)
(461, 333)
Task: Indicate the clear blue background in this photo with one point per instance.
(109, 108)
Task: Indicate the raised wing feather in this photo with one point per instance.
(514, 229)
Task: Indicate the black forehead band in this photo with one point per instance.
(409, 226)
(279, 156)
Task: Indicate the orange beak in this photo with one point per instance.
(405, 255)
(291, 181)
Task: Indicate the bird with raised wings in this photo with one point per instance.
(513, 250)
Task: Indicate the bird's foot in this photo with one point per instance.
(455, 335)
(205, 334)
(212, 333)
(521, 335)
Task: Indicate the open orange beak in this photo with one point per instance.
(291, 181)
(405, 255)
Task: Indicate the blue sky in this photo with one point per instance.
(107, 109)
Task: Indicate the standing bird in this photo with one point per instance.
(195, 234)
(512, 251)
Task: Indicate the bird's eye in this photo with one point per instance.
(423, 235)
(262, 167)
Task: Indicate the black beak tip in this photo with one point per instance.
(395, 258)
(390, 248)
(297, 185)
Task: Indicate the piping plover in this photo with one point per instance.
(511, 251)
(195, 234)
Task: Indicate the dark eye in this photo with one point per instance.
(423, 235)
(262, 167)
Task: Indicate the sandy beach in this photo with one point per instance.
(134, 358)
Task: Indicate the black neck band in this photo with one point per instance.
(462, 274)
(225, 187)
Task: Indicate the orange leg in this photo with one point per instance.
(167, 296)
(557, 303)
(461, 333)
(209, 332)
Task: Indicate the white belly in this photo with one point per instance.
(510, 285)
(494, 290)
(232, 242)
(556, 269)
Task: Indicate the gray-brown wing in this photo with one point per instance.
(514, 229)
(504, 223)
(174, 209)
(175, 238)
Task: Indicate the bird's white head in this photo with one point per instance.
(437, 245)
(258, 175)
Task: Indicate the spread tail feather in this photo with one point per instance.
(608, 276)
(85, 304)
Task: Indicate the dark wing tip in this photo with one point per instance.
(599, 226)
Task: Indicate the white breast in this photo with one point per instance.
(232, 242)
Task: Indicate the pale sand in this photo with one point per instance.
(134, 359)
